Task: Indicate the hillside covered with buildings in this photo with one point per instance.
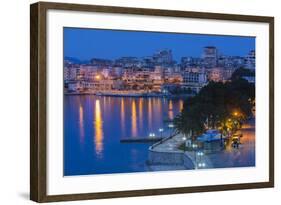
(155, 75)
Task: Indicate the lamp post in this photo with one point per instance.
(194, 146)
(151, 135)
(201, 165)
(184, 139)
(161, 130)
(200, 154)
(171, 126)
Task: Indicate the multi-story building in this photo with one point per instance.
(191, 62)
(219, 74)
(127, 62)
(231, 62)
(147, 62)
(74, 86)
(215, 74)
(163, 57)
(117, 71)
(151, 74)
(105, 72)
(251, 60)
(210, 56)
(174, 78)
(70, 73)
(227, 73)
(137, 80)
(193, 80)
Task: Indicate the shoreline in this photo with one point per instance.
(131, 95)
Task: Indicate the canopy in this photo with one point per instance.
(209, 136)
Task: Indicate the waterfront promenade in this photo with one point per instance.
(166, 155)
(244, 156)
(174, 158)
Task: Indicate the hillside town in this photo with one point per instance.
(155, 75)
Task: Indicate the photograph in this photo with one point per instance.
(146, 101)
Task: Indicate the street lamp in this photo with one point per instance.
(184, 139)
(171, 126)
(194, 146)
(97, 77)
(200, 154)
(161, 130)
(201, 165)
(151, 135)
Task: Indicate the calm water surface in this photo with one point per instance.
(94, 125)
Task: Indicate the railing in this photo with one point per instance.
(163, 140)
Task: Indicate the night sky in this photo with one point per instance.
(85, 44)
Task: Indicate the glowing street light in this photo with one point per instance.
(201, 165)
(151, 135)
(194, 145)
(171, 125)
(161, 130)
(200, 153)
(97, 77)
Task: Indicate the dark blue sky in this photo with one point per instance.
(85, 44)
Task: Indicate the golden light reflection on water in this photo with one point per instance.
(98, 129)
(141, 113)
(122, 113)
(159, 112)
(134, 119)
(149, 114)
(156, 113)
(181, 105)
(171, 112)
(81, 123)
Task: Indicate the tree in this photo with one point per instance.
(214, 106)
(190, 121)
(240, 72)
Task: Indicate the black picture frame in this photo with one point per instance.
(38, 100)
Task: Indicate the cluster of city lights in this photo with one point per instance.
(171, 125)
(194, 146)
(200, 153)
(154, 135)
(201, 165)
(161, 130)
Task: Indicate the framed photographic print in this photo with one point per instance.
(134, 102)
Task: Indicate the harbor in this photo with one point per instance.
(98, 126)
